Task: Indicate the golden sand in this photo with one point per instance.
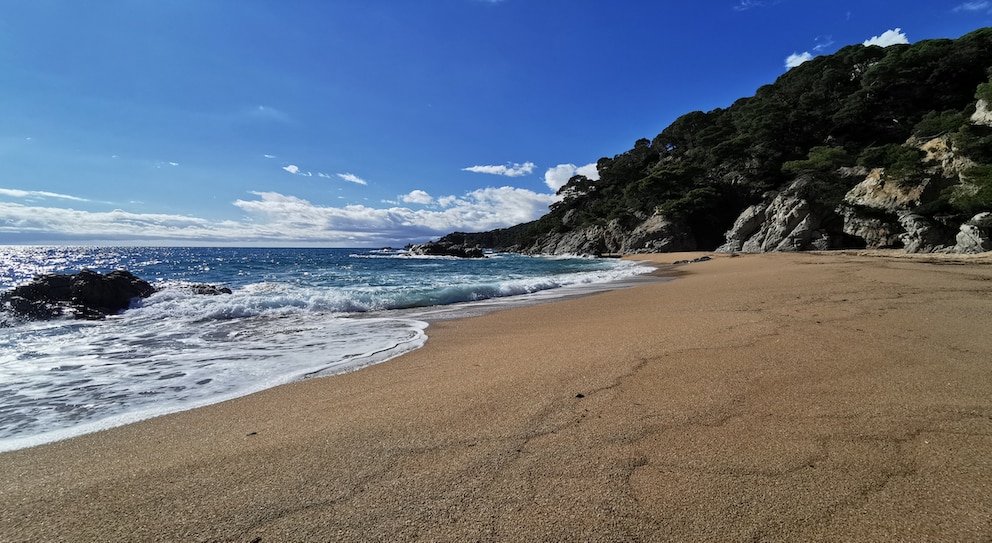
(776, 397)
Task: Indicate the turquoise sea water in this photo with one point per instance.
(293, 314)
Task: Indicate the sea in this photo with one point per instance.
(293, 314)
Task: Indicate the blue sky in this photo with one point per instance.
(353, 123)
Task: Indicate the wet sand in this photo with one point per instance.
(777, 397)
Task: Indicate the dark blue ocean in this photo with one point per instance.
(293, 314)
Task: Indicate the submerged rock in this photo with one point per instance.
(209, 290)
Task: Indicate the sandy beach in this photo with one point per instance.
(776, 397)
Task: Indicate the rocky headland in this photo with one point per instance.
(867, 148)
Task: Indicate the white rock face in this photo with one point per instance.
(747, 223)
(787, 223)
(975, 235)
(982, 115)
(922, 235)
(878, 193)
(657, 234)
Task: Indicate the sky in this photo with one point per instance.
(370, 123)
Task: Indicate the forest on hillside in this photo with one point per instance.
(862, 106)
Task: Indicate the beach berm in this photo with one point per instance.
(773, 397)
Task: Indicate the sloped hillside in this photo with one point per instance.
(867, 147)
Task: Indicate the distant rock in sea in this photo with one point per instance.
(446, 248)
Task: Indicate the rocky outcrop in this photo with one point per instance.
(878, 193)
(871, 209)
(85, 295)
(878, 212)
(446, 248)
(983, 114)
(791, 221)
(655, 234)
(591, 240)
(208, 290)
(747, 224)
(922, 235)
(975, 236)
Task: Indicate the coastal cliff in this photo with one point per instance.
(869, 147)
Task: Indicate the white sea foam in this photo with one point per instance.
(286, 319)
(69, 378)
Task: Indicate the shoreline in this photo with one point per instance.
(775, 397)
(418, 317)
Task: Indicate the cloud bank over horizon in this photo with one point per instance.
(275, 218)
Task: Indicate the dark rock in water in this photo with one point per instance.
(85, 295)
(444, 248)
(35, 310)
(209, 290)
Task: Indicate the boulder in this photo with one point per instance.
(875, 229)
(975, 236)
(790, 222)
(657, 234)
(747, 224)
(983, 114)
(86, 295)
(922, 235)
(871, 209)
(209, 290)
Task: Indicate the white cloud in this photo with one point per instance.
(31, 223)
(887, 38)
(478, 210)
(417, 197)
(974, 6)
(555, 178)
(591, 171)
(292, 168)
(269, 156)
(513, 170)
(795, 59)
(277, 219)
(745, 5)
(324, 175)
(173, 164)
(36, 194)
(352, 178)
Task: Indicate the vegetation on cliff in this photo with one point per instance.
(857, 107)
